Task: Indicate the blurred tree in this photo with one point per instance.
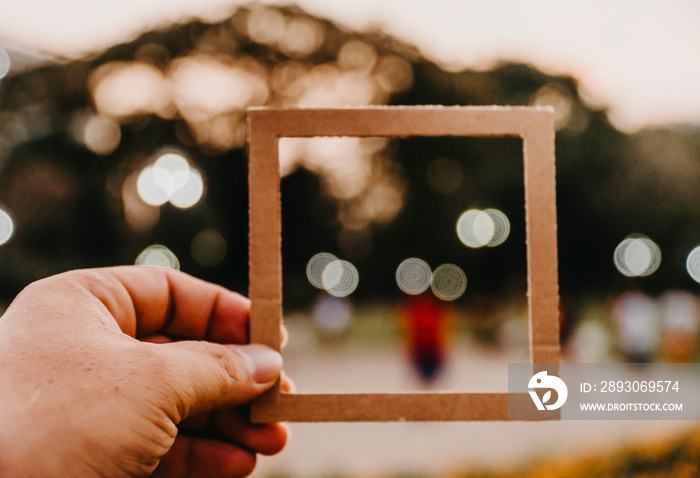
(75, 135)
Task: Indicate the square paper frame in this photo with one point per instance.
(535, 125)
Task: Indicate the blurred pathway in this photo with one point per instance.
(431, 449)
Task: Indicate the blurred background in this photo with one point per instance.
(123, 140)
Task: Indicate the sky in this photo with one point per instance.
(639, 58)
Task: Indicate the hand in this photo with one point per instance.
(122, 372)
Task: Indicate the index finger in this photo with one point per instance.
(149, 300)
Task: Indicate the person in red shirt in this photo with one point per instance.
(426, 324)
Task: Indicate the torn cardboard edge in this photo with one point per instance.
(535, 125)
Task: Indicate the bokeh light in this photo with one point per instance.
(149, 190)
(101, 134)
(7, 227)
(208, 248)
(357, 55)
(501, 227)
(394, 74)
(337, 277)
(190, 193)
(5, 63)
(560, 99)
(413, 276)
(140, 216)
(328, 85)
(158, 256)
(204, 87)
(692, 264)
(448, 282)
(302, 36)
(637, 256)
(170, 172)
(170, 178)
(477, 228)
(340, 278)
(316, 266)
(266, 25)
(122, 89)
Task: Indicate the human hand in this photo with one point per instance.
(122, 372)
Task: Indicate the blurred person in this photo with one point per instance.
(426, 323)
(129, 371)
(679, 313)
(638, 326)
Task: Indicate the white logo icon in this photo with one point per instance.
(542, 380)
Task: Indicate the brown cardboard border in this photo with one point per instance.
(535, 125)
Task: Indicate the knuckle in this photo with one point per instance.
(231, 364)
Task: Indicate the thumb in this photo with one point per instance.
(211, 375)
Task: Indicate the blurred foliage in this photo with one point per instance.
(74, 135)
(674, 457)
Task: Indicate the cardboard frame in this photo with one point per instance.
(535, 125)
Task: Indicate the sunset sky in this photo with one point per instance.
(641, 58)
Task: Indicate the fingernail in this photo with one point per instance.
(264, 363)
